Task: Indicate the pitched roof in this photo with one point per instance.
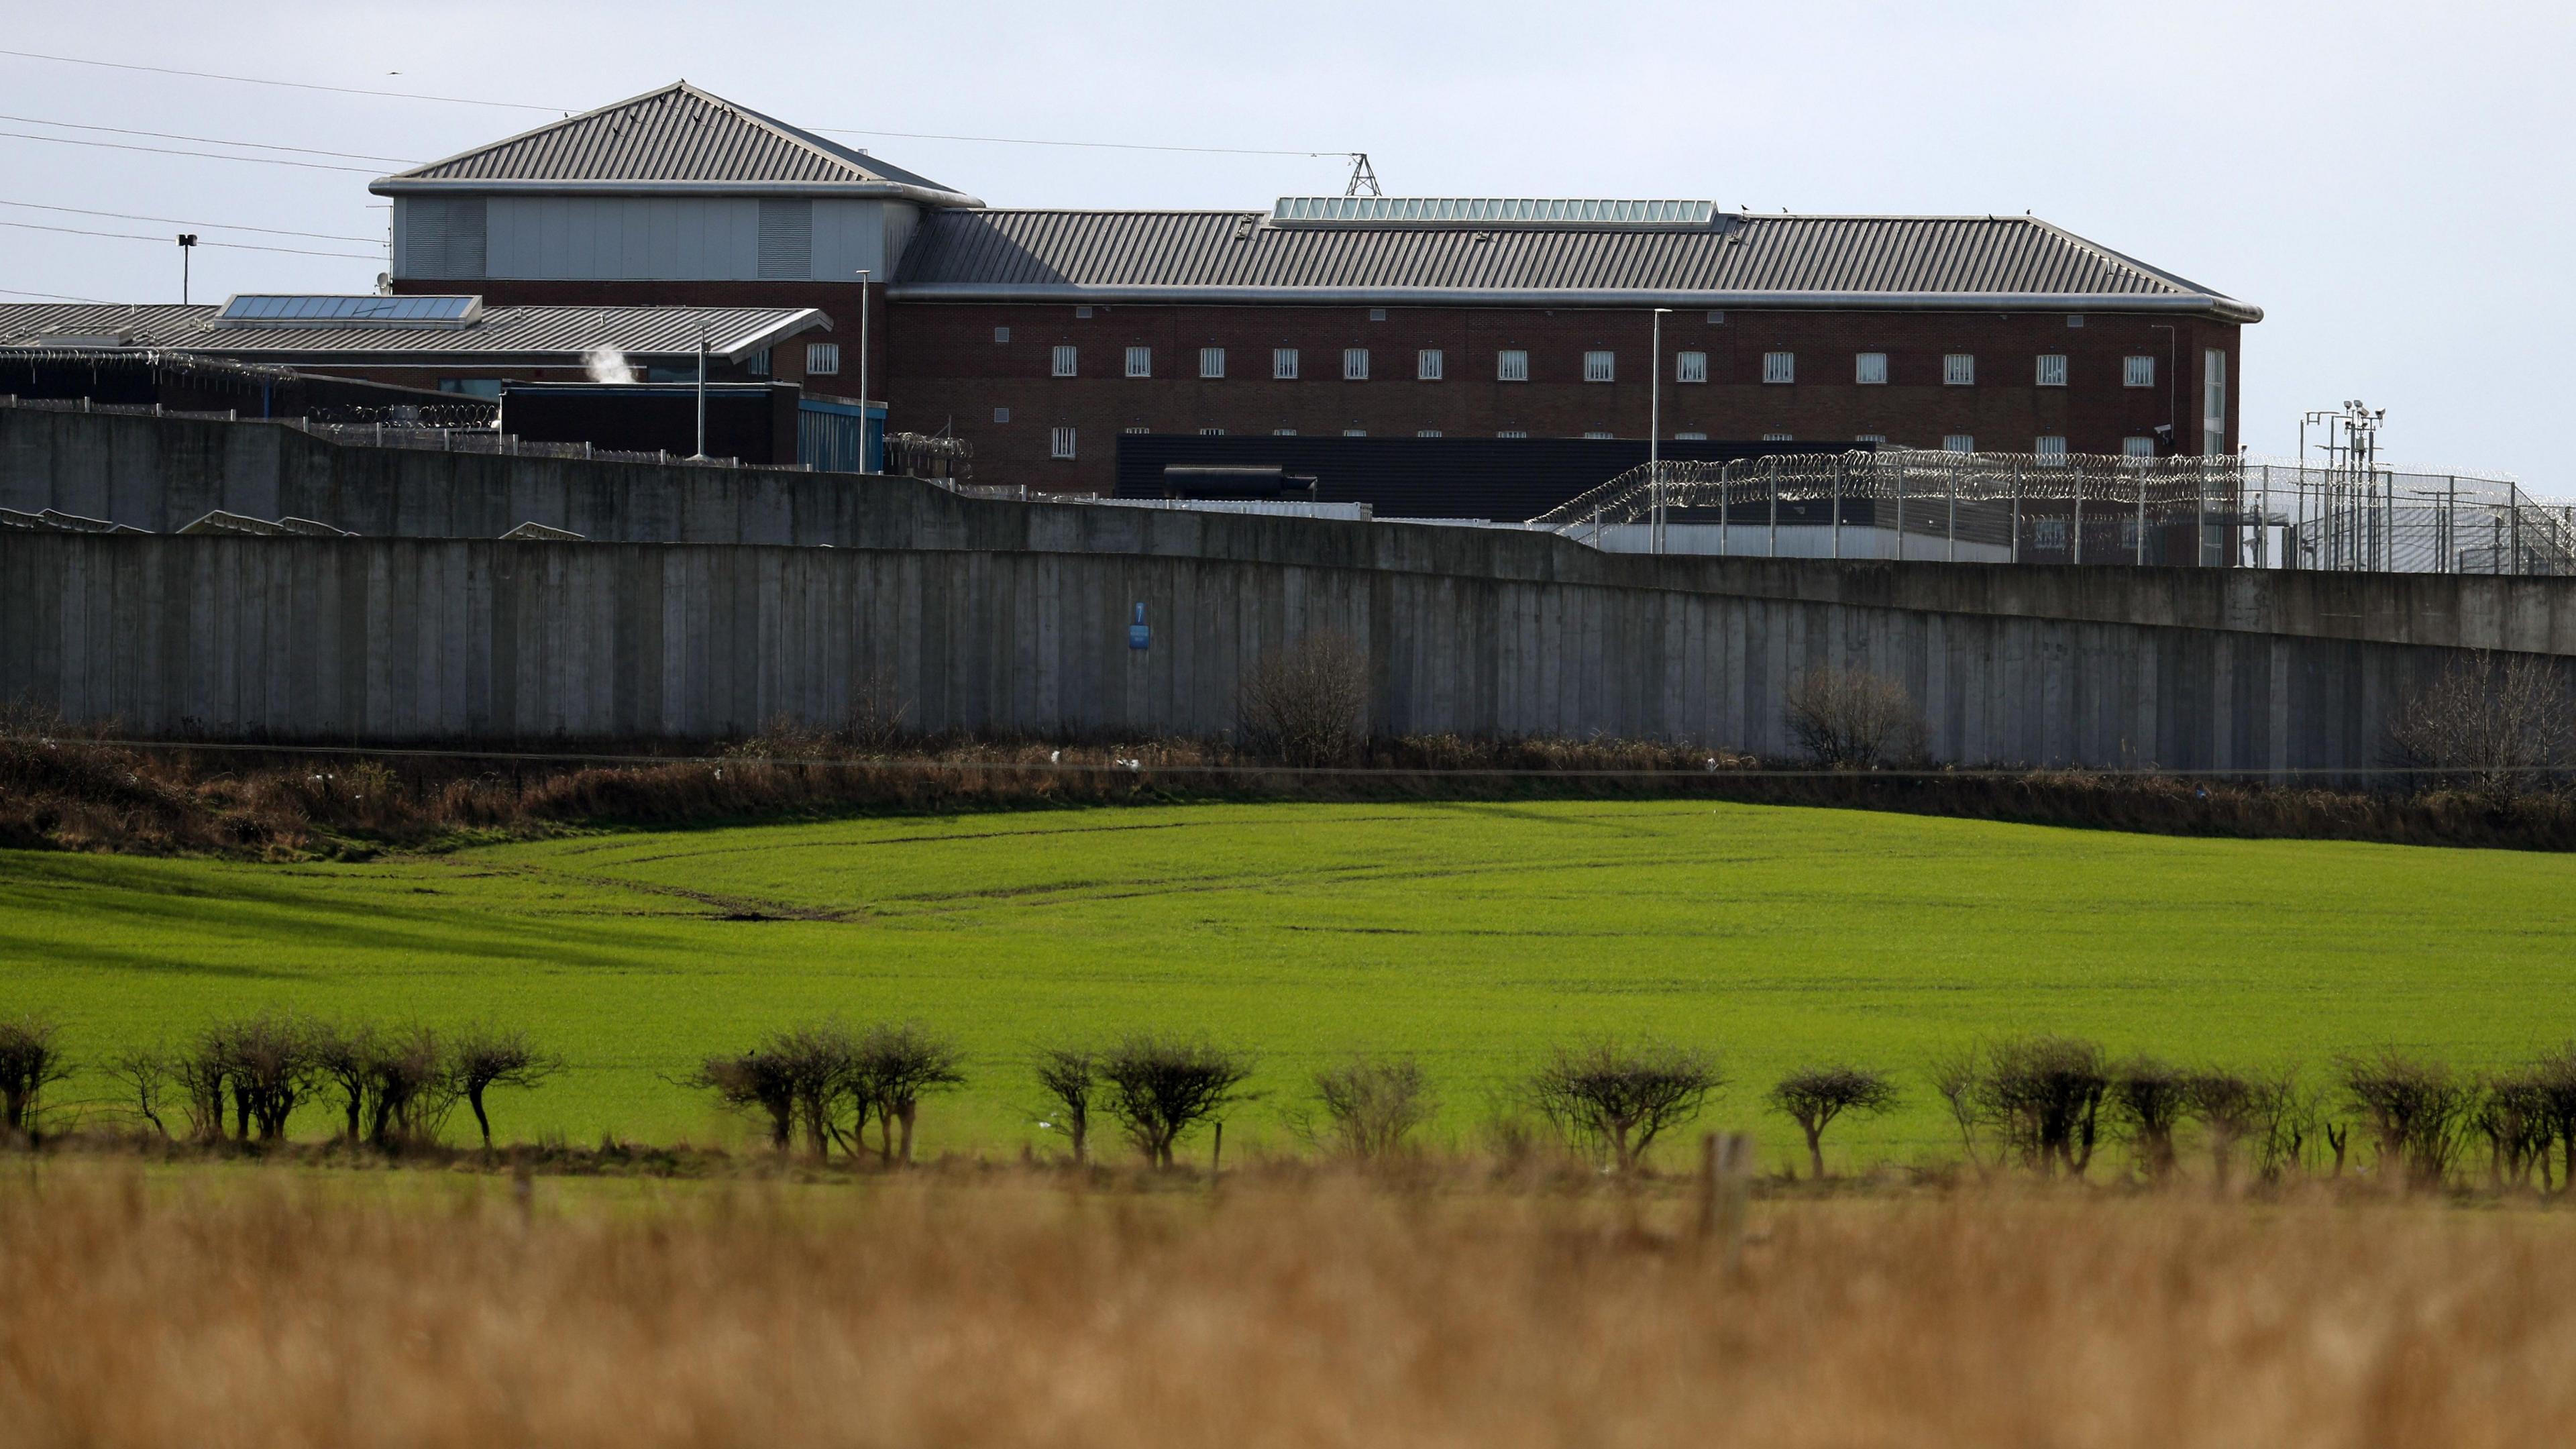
(1748, 261)
(502, 334)
(678, 138)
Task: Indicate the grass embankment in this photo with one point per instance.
(206, 1307)
(1474, 936)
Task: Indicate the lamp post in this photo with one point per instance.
(1655, 429)
(187, 249)
(864, 457)
(702, 389)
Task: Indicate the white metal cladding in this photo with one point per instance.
(440, 237)
(682, 238)
(786, 240)
(2016, 263)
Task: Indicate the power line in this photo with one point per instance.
(54, 296)
(165, 241)
(563, 111)
(208, 140)
(253, 80)
(184, 221)
(208, 155)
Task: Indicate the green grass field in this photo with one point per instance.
(1472, 935)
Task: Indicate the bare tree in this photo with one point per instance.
(2044, 1094)
(2496, 725)
(894, 1067)
(1071, 1075)
(409, 1091)
(1373, 1104)
(2512, 1113)
(31, 1059)
(2234, 1107)
(1852, 719)
(1955, 1075)
(1814, 1096)
(1159, 1088)
(344, 1061)
(267, 1065)
(146, 1078)
(1622, 1098)
(2417, 1111)
(483, 1057)
(1307, 704)
(2148, 1100)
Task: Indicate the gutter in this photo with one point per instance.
(2224, 309)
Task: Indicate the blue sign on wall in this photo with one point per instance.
(1139, 636)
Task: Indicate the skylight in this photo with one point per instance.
(1488, 211)
(271, 310)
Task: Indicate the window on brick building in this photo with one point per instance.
(1064, 361)
(2137, 447)
(2052, 369)
(1871, 438)
(1511, 365)
(1211, 432)
(1082, 312)
(1377, 314)
(1430, 364)
(1426, 432)
(1060, 442)
(1211, 362)
(1601, 367)
(1690, 367)
(757, 364)
(1283, 432)
(1600, 435)
(1001, 415)
(2050, 448)
(2213, 402)
(2074, 319)
(1138, 428)
(1779, 367)
(1354, 432)
(1777, 438)
(1959, 369)
(1511, 433)
(1140, 362)
(1958, 443)
(2138, 371)
(1869, 369)
(1001, 334)
(1716, 319)
(1692, 437)
(822, 359)
(1354, 364)
(1283, 362)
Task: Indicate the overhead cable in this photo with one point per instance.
(165, 241)
(207, 140)
(253, 80)
(185, 221)
(208, 155)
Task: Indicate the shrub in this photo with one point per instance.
(484, 1057)
(31, 1060)
(1373, 1105)
(2044, 1094)
(1621, 1099)
(1070, 1075)
(2554, 1076)
(2148, 1100)
(752, 1082)
(2417, 1111)
(894, 1066)
(2496, 726)
(803, 1076)
(2234, 1107)
(1160, 1088)
(1851, 719)
(1814, 1096)
(2512, 1113)
(1307, 704)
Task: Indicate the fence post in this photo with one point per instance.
(1725, 1191)
(2016, 511)
(1774, 474)
(1838, 508)
(1953, 524)
(1900, 510)
(2513, 508)
(2138, 558)
(2079, 513)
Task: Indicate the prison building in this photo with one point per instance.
(1044, 336)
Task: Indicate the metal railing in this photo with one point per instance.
(2076, 509)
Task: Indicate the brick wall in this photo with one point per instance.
(946, 368)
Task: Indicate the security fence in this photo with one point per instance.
(2076, 509)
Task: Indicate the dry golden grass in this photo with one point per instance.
(272, 1308)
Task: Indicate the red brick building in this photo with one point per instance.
(1041, 336)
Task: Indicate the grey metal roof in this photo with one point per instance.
(678, 138)
(1749, 261)
(503, 333)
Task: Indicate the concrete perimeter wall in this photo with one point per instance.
(1013, 617)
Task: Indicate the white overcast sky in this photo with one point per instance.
(2391, 183)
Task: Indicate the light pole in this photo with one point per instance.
(1655, 428)
(187, 249)
(702, 389)
(865, 457)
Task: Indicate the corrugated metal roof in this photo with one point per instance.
(1746, 260)
(502, 332)
(676, 135)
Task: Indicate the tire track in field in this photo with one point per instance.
(724, 907)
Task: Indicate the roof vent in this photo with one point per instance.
(1492, 211)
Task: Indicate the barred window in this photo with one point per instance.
(1511, 365)
(1211, 362)
(1354, 364)
(2050, 448)
(1779, 367)
(1690, 367)
(1869, 369)
(1140, 362)
(1430, 364)
(1958, 443)
(1600, 367)
(1060, 443)
(2052, 369)
(822, 359)
(1959, 369)
(2137, 447)
(2138, 371)
(1283, 362)
(1064, 361)
(1692, 437)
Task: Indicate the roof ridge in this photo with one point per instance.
(784, 131)
(513, 139)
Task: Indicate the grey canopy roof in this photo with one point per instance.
(1749, 261)
(678, 138)
(500, 334)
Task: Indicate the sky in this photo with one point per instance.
(2390, 183)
